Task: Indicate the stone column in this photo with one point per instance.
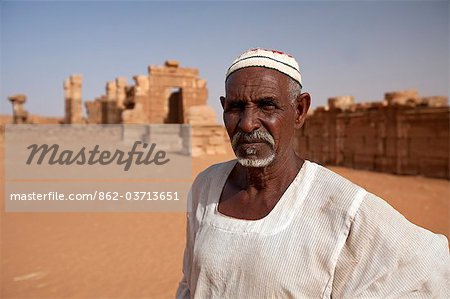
(139, 102)
(111, 91)
(142, 85)
(110, 115)
(20, 115)
(121, 85)
(72, 94)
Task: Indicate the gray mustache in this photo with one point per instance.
(255, 136)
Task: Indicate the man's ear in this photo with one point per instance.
(222, 101)
(301, 108)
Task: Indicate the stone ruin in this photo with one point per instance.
(403, 134)
(164, 96)
(169, 94)
(73, 100)
(20, 115)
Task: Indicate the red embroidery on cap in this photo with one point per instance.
(273, 51)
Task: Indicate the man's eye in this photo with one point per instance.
(235, 106)
(267, 105)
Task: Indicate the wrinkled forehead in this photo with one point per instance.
(256, 80)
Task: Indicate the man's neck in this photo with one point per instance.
(280, 172)
(251, 193)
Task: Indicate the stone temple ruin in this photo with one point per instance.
(403, 134)
(169, 94)
(164, 96)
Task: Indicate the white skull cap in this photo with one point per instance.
(271, 59)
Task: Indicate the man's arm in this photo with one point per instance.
(183, 287)
(195, 210)
(387, 256)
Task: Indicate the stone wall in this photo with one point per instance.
(108, 108)
(209, 140)
(403, 134)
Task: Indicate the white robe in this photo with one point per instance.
(326, 237)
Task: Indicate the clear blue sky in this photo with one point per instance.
(344, 48)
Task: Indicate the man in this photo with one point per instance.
(272, 225)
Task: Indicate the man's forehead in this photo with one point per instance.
(256, 75)
(255, 82)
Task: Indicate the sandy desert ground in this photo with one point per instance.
(138, 255)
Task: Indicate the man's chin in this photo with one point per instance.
(256, 162)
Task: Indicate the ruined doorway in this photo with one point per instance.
(174, 107)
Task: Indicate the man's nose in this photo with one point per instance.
(249, 120)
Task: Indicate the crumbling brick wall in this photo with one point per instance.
(403, 134)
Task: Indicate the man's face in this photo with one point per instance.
(258, 115)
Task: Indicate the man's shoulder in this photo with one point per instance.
(333, 190)
(382, 244)
(213, 175)
(207, 182)
(215, 170)
(331, 178)
(377, 217)
(366, 209)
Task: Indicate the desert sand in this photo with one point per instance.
(139, 255)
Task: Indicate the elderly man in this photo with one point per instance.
(273, 225)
